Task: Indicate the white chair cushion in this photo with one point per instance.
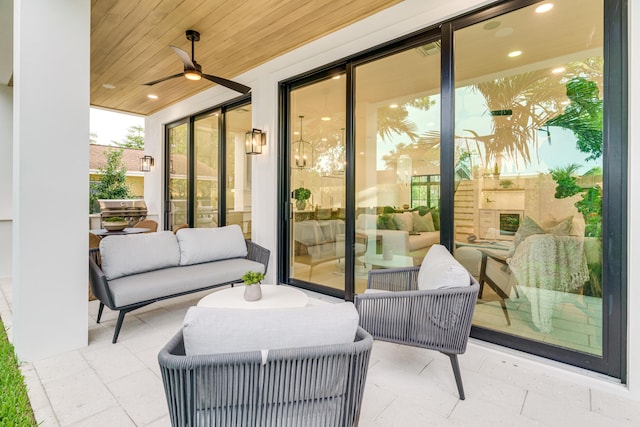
(226, 330)
(198, 245)
(138, 253)
(440, 270)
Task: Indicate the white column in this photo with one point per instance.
(6, 126)
(50, 176)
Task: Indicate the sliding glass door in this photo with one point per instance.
(499, 134)
(208, 172)
(528, 209)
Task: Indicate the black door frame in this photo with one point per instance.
(614, 361)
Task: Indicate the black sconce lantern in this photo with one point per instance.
(145, 163)
(254, 140)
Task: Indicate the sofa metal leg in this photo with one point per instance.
(118, 325)
(100, 312)
(456, 373)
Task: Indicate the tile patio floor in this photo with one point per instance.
(119, 384)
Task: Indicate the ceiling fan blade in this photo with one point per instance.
(184, 56)
(228, 83)
(163, 79)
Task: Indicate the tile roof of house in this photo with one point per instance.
(130, 156)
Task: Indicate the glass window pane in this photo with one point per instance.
(317, 182)
(178, 191)
(528, 201)
(206, 170)
(238, 165)
(397, 159)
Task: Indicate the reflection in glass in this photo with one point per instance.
(397, 159)
(238, 169)
(528, 201)
(177, 175)
(206, 170)
(317, 147)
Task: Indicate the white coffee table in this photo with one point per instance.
(273, 296)
(377, 260)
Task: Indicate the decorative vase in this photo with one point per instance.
(252, 292)
(301, 204)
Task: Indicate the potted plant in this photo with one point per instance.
(252, 280)
(301, 195)
(115, 223)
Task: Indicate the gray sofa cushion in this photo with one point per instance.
(198, 245)
(126, 255)
(215, 330)
(160, 283)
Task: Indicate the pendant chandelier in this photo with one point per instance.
(302, 151)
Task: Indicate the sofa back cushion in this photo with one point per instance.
(366, 222)
(441, 270)
(227, 330)
(198, 245)
(138, 253)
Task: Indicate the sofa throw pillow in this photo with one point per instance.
(403, 221)
(198, 245)
(440, 270)
(423, 222)
(385, 222)
(226, 330)
(138, 253)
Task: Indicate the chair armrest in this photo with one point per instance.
(98, 281)
(257, 253)
(396, 279)
(420, 317)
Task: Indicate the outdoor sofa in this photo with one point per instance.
(129, 272)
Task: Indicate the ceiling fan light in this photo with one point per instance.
(192, 75)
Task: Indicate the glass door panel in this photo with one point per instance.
(317, 183)
(397, 151)
(238, 170)
(206, 170)
(178, 178)
(529, 171)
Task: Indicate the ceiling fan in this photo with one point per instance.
(193, 70)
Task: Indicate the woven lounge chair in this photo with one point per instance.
(438, 319)
(318, 385)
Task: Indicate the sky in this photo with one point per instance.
(111, 126)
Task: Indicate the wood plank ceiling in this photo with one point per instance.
(130, 42)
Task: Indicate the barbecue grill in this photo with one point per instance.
(132, 210)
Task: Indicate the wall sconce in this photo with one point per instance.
(145, 163)
(254, 140)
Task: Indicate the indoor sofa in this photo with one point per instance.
(131, 271)
(406, 233)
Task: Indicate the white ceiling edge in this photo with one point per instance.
(6, 41)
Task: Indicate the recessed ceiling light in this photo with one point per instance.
(296, 132)
(565, 103)
(325, 119)
(361, 153)
(152, 96)
(514, 54)
(393, 106)
(324, 139)
(108, 86)
(491, 25)
(504, 32)
(336, 77)
(558, 70)
(546, 7)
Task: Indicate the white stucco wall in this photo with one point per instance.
(402, 19)
(50, 158)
